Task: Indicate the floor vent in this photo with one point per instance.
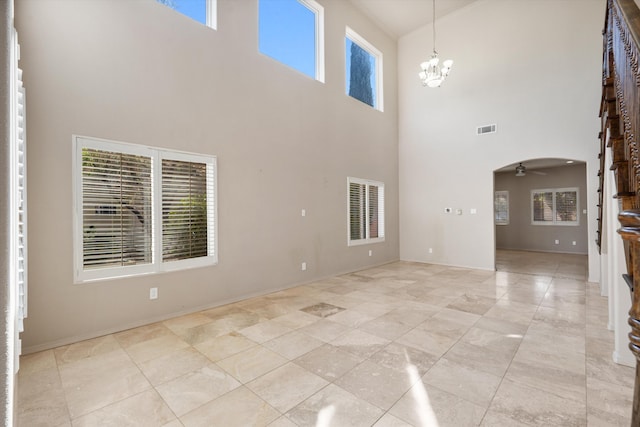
(481, 130)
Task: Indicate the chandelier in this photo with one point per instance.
(432, 75)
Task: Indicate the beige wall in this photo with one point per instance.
(136, 71)
(520, 234)
(532, 68)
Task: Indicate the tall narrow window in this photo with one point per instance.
(203, 11)
(363, 70)
(17, 301)
(366, 211)
(554, 206)
(501, 207)
(184, 210)
(141, 210)
(292, 32)
(116, 209)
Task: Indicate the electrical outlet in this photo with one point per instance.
(430, 250)
(370, 252)
(557, 242)
(573, 243)
(153, 293)
(303, 212)
(473, 211)
(304, 266)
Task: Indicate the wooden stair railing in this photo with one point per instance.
(620, 121)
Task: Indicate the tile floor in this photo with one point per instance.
(404, 344)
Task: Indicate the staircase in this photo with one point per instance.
(620, 124)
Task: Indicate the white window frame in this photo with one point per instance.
(373, 51)
(505, 195)
(156, 265)
(211, 13)
(318, 10)
(381, 212)
(555, 221)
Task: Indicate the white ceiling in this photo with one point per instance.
(400, 17)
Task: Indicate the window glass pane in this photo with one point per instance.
(543, 206)
(361, 73)
(501, 205)
(184, 210)
(373, 211)
(357, 211)
(194, 9)
(116, 209)
(566, 206)
(287, 33)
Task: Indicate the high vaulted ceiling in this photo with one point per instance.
(400, 17)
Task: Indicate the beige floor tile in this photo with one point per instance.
(482, 359)
(180, 325)
(156, 347)
(286, 386)
(424, 405)
(506, 344)
(532, 406)
(385, 328)
(389, 420)
(84, 349)
(376, 384)
(283, 422)
(402, 357)
(328, 362)
(36, 362)
(144, 409)
(265, 331)
(472, 304)
(224, 346)
(296, 319)
(95, 382)
(238, 408)
(609, 400)
(463, 381)
(550, 379)
(192, 390)
(427, 341)
(334, 406)
(293, 344)
(359, 343)
(250, 364)
(173, 365)
(351, 318)
(40, 395)
(144, 333)
(325, 330)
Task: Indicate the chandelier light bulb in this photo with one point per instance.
(432, 75)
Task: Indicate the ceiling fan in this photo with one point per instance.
(521, 170)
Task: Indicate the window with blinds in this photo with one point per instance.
(184, 210)
(555, 206)
(366, 211)
(116, 209)
(18, 200)
(141, 210)
(501, 207)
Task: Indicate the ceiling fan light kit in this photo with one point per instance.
(521, 170)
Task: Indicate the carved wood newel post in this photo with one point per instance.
(620, 120)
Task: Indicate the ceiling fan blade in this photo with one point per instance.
(538, 172)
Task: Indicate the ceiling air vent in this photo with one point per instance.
(481, 130)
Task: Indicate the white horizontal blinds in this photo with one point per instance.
(357, 211)
(21, 198)
(116, 209)
(543, 206)
(184, 210)
(566, 206)
(381, 215)
(376, 211)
